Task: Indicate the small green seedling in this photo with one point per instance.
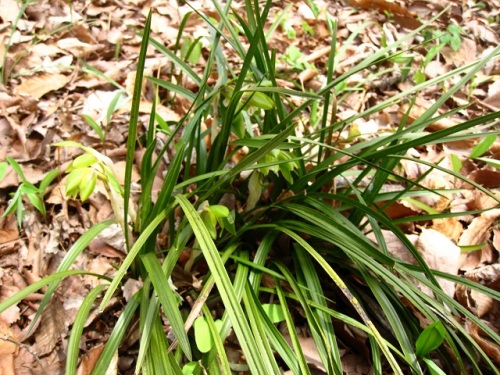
(482, 147)
(34, 194)
(295, 59)
(191, 50)
(430, 339)
(217, 214)
(101, 131)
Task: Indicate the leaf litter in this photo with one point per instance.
(61, 61)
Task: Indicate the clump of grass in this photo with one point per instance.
(280, 224)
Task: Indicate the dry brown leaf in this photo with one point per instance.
(8, 349)
(451, 227)
(490, 348)
(486, 177)
(89, 360)
(52, 328)
(441, 254)
(477, 232)
(466, 54)
(39, 85)
(488, 275)
(9, 10)
(482, 303)
(402, 15)
(77, 47)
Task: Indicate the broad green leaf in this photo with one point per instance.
(430, 339)
(202, 335)
(17, 168)
(219, 210)
(37, 202)
(274, 311)
(87, 183)
(73, 182)
(82, 161)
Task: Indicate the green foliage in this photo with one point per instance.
(430, 339)
(255, 210)
(34, 194)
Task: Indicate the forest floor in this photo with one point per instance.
(61, 60)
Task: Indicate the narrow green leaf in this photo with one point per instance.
(76, 332)
(231, 303)
(146, 233)
(23, 293)
(434, 369)
(3, 169)
(102, 365)
(483, 146)
(456, 163)
(95, 126)
(68, 261)
(168, 300)
(493, 162)
(133, 123)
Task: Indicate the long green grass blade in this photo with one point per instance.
(225, 288)
(168, 300)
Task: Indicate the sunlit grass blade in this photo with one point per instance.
(168, 300)
(308, 276)
(304, 369)
(233, 308)
(77, 329)
(132, 254)
(255, 321)
(55, 277)
(116, 336)
(132, 130)
(319, 336)
(68, 261)
(340, 283)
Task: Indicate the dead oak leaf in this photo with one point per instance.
(39, 85)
